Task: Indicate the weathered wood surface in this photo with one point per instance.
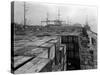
(34, 65)
(54, 41)
(30, 51)
(36, 42)
(20, 60)
(51, 48)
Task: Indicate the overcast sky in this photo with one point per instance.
(37, 12)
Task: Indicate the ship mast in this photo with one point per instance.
(58, 14)
(47, 19)
(24, 14)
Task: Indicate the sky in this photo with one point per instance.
(36, 12)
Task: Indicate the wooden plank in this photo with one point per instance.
(51, 48)
(44, 54)
(34, 42)
(54, 41)
(21, 61)
(63, 45)
(37, 52)
(34, 65)
(34, 51)
(38, 42)
(23, 50)
(47, 45)
(17, 58)
(38, 66)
